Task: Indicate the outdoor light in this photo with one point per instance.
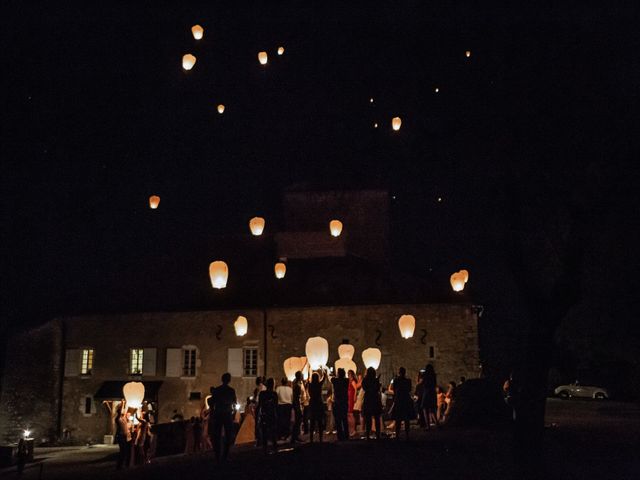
(188, 61)
(395, 123)
(154, 201)
(197, 32)
(457, 281)
(280, 50)
(237, 407)
(218, 272)
(280, 269)
(317, 350)
(335, 227)
(221, 109)
(346, 351)
(371, 357)
(241, 326)
(27, 433)
(347, 364)
(133, 393)
(407, 325)
(256, 225)
(262, 58)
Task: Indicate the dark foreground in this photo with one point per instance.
(584, 440)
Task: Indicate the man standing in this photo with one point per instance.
(222, 404)
(341, 404)
(297, 401)
(285, 394)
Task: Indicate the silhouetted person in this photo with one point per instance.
(296, 404)
(403, 410)
(429, 397)
(256, 392)
(123, 436)
(222, 405)
(316, 407)
(21, 456)
(285, 393)
(268, 416)
(341, 404)
(371, 405)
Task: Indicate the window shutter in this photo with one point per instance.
(174, 362)
(149, 362)
(72, 360)
(234, 362)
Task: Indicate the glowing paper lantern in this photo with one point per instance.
(407, 325)
(465, 275)
(241, 326)
(467, 53)
(371, 357)
(256, 225)
(346, 351)
(457, 282)
(221, 109)
(197, 32)
(218, 272)
(347, 364)
(154, 201)
(317, 350)
(335, 227)
(293, 365)
(188, 61)
(133, 393)
(396, 122)
(262, 58)
(280, 50)
(280, 269)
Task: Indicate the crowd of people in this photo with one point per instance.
(347, 405)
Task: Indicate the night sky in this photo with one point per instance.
(99, 114)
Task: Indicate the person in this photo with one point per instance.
(268, 416)
(139, 442)
(371, 405)
(419, 394)
(441, 404)
(402, 408)
(189, 436)
(222, 405)
(205, 412)
(341, 404)
(285, 394)
(354, 386)
(316, 408)
(449, 398)
(256, 392)
(21, 456)
(429, 399)
(177, 416)
(296, 405)
(123, 436)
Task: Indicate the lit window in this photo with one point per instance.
(87, 361)
(189, 356)
(250, 361)
(135, 361)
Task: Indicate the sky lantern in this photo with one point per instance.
(221, 109)
(457, 281)
(293, 365)
(241, 326)
(317, 350)
(133, 393)
(197, 32)
(280, 50)
(407, 325)
(262, 58)
(219, 273)
(396, 122)
(256, 225)
(347, 364)
(280, 269)
(154, 201)
(346, 351)
(465, 275)
(335, 227)
(467, 53)
(188, 61)
(371, 357)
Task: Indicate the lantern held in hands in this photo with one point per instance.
(241, 326)
(347, 364)
(317, 350)
(256, 225)
(407, 325)
(197, 31)
(154, 201)
(346, 351)
(335, 227)
(188, 61)
(371, 357)
(133, 393)
(219, 273)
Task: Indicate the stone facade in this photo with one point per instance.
(446, 336)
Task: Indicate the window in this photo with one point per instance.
(250, 362)
(136, 359)
(86, 364)
(88, 402)
(189, 356)
(431, 351)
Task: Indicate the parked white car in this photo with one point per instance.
(581, 391)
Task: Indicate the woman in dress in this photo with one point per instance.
(371, 405)
(402, 409)
(268, 416)
(316, 408)
(351, 400)
(429, 398)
